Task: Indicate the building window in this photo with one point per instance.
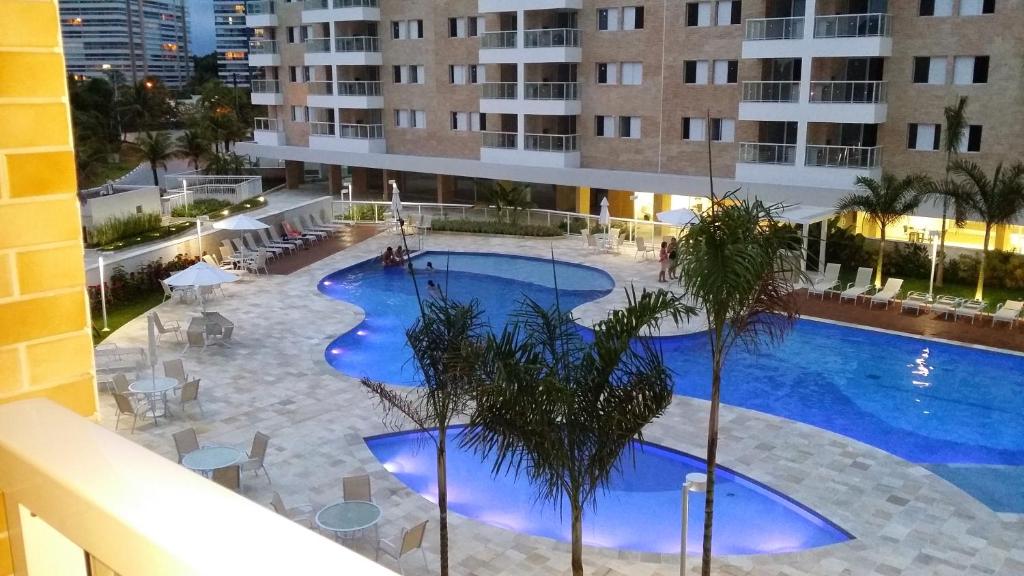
(475, 74)
(464, 27)
(410, 119)
(723, 130)
(473, 25)
(465, 121)
(457, 74)
(930, 70)
(971, 141)
(977, 7)
(970, 70)
(935, 8)
(725, 71)
(608, 19)
(632, 73)
(693, 129)
(604, 126)
(407, 29)
(695, 72)
(298, 113)
(629, 127)
(698, 13)
(607, 73)
(925, 136)
(412, 74)
(633, 18)
(293, 74)
(730, 12)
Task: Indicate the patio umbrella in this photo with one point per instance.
(151, 328)
(240, 222)
(679, 217)
(605, 219)
(201, 274)
(396, 201)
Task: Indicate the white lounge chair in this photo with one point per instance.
(826, 282)
(288, 246)
(970, 309)
(916, 301)
(946, 305)
(251, 243)
(1008, 312)
(888, 292)
(642, 249)
(860, 286)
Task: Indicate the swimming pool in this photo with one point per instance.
(640, 511)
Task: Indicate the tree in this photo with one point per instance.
(193, 147)
(447, 343)
(156, 148)
(563, 410)
(736, 264)
(884, 202)
(997, 201)
(956, 125)
(505, 195)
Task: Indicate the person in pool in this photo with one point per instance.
(433, 290)
(430, 267)
(400, 255)
(388, 259)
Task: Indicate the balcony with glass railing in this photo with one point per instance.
(322, 128)
(856, 157)
(499, 90)
(266, 87)
(774, 29)
(357, 44)
(267, 125)
(767, 153)
(499, 140)
(498, 40)
(552, 38)
(771, 91)
(358, 88)
(262, 48)
(852, 26)
(259, 7)
(328, 4)
(260, 14)
(552, 90)
(361, 131)
(848, 92)
(320, 88)
(318, 45)
(550, 142)
(316, 11)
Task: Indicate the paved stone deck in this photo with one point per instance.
(906, 520)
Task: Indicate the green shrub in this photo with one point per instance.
(907, 260)
(200, 207)
(493, 227)
(364, 213)
(849, 249)
(120, 227)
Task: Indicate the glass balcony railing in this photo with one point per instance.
(320, 88)
(843, 156)
(263, 47)
(267, 124)
(260, 8)
(505, 39)
(322, 129)
(327, 4)
(758, 153)
(552, 38)
(552, 91)
(266, 86)
(852, 26)
(771, 91)
(505, 140)
(357, 44)
(318, 45)
(358, 88)
(774, 28)
(499, 90)
(361, 131)
(866, 92)
(551, 142)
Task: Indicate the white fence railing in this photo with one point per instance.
(184, 188)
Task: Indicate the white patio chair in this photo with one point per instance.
(1008, 312)
(257, 263)
(916, 301)
(888, 293)
(162, 328)
(969, 309)
(861, 285)
(642, 249)
(826, 282)
(287, 245)
(945, 305)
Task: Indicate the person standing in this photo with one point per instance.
(673, 251)
(663, 260)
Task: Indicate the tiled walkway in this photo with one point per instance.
(906, 520)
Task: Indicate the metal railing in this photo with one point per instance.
(267, 124)
(259, 8)
(505, 140)
(318, 45)
(758, 153)
(503, 39)
(266, 86)
(845, 92)
(552, 38)
(851, 26)
(499, 90)
(774, 28)
(235, 189)
(358, 88)
(771, 91)
(550, 142)
(843, 156)
(552, 90)
(262, 46)
(326, 4)
(320, 88)
(357, 44)
(322, 129)
(361, 131)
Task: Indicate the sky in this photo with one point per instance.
(201, 36)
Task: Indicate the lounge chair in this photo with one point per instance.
(826, 282)
(307, 223)
(916, 301)
(888, 293)
(287, 246)
(859, 287)
(271, 251)
(292, 234)
(194, 339)
(969, 309)
(946, 305)
(642, 249)
(1008, 312)
(228, 259)
(297, 224)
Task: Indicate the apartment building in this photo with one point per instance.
(587, 98)
(137, 38)
(232, 38)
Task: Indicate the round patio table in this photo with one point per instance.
(211, 458)
(347, 519)
(155, 389)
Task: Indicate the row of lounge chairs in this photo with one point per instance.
(253, 250)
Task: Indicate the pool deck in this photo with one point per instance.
(906, 520)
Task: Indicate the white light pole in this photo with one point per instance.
(933, 237)
(199, 233)
(695, 482)
(184, 187)
(103, 296)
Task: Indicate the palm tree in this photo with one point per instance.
(997, 201)
(156, 148)
(737, 263)
(884, 201)
(956, 125)
(193, 147)
(447, 343)
(563, 410)
(510, 196)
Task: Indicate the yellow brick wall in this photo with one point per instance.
(45, 344)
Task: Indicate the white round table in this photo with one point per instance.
(210, 458)
(155, 389)
(346, 519)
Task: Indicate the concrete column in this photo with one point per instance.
(662, 203)
(583, 200)
(359, 183)
(294, 174)
(445, 188)
(334, 179)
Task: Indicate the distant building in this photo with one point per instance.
(138, 38)
(232, 42)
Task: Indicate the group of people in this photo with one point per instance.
(394, 256)
(667, 257)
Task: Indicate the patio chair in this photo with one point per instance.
(408, 541)
(229, 477)
(319, 222)
(286, 247)
(212, 261)
(887, 294)
(306, 221)
(292, 233)
(185, 441)
(194, 339)
(283, 237)
(250, 241)
(169, 292)
(1008, 312)
(190, 393)
(175, 368)
(228, 258)
(916, 301)
(126, 407)
(426, 225)
(120, 382)
(860, 286)
(303, 514)
(969, 309)
(257, 263)
(592, 242)
(356, 488)
(642, 249)
(165, 328)
(297, 224)
(258, 455)
(826, 282)
(239, 248)
(945, 305)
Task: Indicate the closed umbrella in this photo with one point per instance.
(201, 274)
(152, 342)
(396, 201)
(605, 219)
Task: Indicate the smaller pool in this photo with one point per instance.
(639, 512)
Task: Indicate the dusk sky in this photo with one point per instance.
(202, 34)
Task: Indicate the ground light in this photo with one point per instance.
(695, 482)
(933, 237)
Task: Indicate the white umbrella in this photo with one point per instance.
(396, 201)
(201, 274)
(240, 222)
(679, 217)
(605, 219)
(152, 342)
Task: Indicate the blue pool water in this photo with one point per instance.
(640, 511)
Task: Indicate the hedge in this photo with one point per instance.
(494, 227)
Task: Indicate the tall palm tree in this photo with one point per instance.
(562, 409)
(996, 201)
(737, 263)
(956, 125)
(447, 343)
(193, 147)
(157, 149)
(884, 201)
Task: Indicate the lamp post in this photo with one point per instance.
(199, 233)
(695, 482)
(933, 237)
(103, 296)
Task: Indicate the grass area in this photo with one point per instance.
(993, 296)
(129, 158)
(120, 314)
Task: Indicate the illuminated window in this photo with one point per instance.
(170, 47)
(239, 8)
(234, 55)
(75, 21)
